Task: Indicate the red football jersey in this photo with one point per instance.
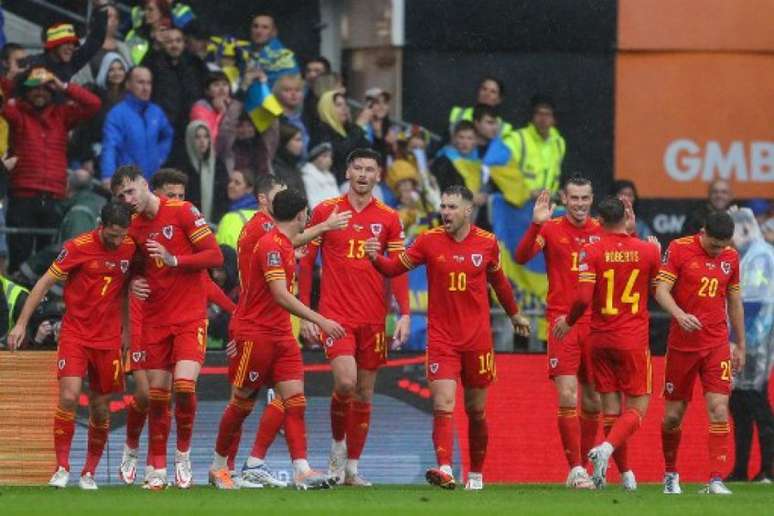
(257, 313)
(458, 288)
(561, 242)
(699, 286)
(351, 290)
(177, 293)
(622, 269)
(94, 283)
(258, 225)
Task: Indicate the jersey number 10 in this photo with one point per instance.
(627, 297)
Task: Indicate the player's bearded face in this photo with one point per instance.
(363, 174)
(112, 236)
(578, 199)
(454, 212)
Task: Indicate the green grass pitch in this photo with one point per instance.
(747, 500)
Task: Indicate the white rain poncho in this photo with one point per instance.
(757, 288)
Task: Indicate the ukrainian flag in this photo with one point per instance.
(468, 165)
(510, 211)
(262, 106)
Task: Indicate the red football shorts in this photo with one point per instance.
(570, 356)
(135, 357)
(713, 366)
(266, 360)
(164, 346)
(622, 370)
(476, 369)
(103, 366)
(366, 343)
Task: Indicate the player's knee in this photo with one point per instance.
(99, 412)
(345, 387)
(568, 395)
(68, 401)
(443, 402)
(671, 421)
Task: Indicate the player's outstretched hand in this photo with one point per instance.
(561, 328)
(140, 288)
(543, 208)
(16, 337)
(402, 332)
(737, 357)
(159, 252)
(372, 248)
(338, 220)
(688, 322)
(520, 325)
(310, 332)
(332, 328)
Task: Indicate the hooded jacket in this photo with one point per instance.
(207, 176)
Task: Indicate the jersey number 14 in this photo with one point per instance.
(627, 297)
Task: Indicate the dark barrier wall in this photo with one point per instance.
(563, 48)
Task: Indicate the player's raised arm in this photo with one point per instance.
(390, 266)
(531, 243)
(336, 220)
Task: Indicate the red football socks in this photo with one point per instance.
(185, 412)
(670, 443)
(295, 426)
(340, 406)
(135, 421)
(569, 431)
(621, 453)
(357, 429)
(718, 448)
(271, 421)
(231, 422)
(443, 436)
(97, 437)
(158, 427)
(589, 429)
(478, 438)
(64, 428)
(624, 427)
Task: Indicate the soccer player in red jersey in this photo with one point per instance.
(462, 260)
(569, 361)
(176, 246)
(356, 358)
(698, 285)
(267, 351)
(95, 268)
(615, 275)
(169, 183)
(255, 472)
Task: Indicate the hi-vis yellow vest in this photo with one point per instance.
(539, 160)
(458, 113)
(12, 292)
